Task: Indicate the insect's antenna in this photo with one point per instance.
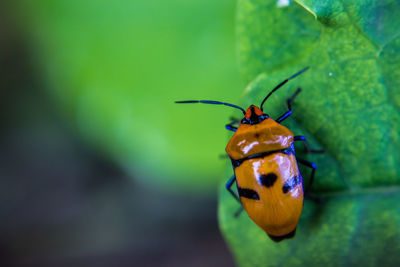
(282, 83)
(210, 102)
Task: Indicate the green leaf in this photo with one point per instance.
(349, 106)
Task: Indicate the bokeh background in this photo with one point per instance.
(98, 166)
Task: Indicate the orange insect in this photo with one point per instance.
(268, 180)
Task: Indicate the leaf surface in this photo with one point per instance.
(348, 106)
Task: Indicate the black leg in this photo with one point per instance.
(289, 103)
(313, 167)
(307, 146)
(223, 156)
(228, 186)
(238, 212)
(230, 126)
(235, 120)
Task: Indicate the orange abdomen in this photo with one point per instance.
(278, 207)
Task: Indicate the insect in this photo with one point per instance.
(268, 181)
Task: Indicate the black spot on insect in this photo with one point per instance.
(290, 184)
(286, 188)
(257, 135)
(268, 180)
(248, 193)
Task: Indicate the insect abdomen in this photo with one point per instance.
(271, 191)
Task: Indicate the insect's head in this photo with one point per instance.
(254, 115)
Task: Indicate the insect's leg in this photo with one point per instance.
(307, 146)
(234, 120)
(228, 186)
(313, 167)
(223, 156)
(238, 212)
(231, 126)
(289, 102)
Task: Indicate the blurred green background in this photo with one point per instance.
(98, 166)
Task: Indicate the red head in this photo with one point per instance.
(253, 111)
(254, 115)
